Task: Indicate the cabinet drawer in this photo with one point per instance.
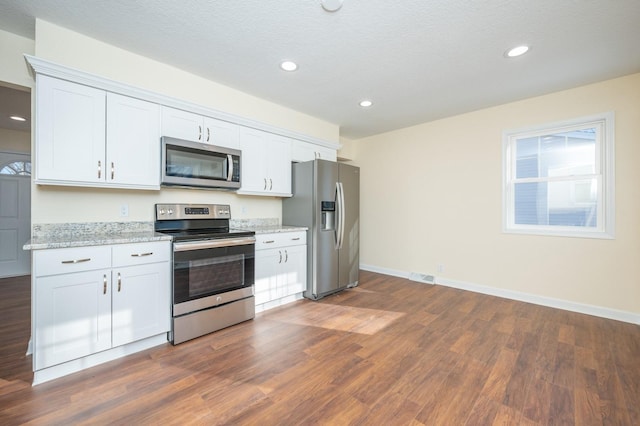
(69, 260)
(141, 253)
(280, 239)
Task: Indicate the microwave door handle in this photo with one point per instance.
(230, 168)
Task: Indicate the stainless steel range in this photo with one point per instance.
(213, 268)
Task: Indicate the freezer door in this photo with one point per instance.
(325, 255)
(349, 254)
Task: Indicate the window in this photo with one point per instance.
(20, 168)
(559, 179)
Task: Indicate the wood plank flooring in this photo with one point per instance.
(390, 351)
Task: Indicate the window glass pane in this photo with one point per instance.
(563, 203)
(17, 168)
(527, 158)
(557, 154)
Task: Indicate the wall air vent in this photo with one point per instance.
(422, 278)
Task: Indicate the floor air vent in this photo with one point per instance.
(422, 278)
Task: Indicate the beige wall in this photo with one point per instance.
(13, 68)
(446, 203)
(15, 141)
(62, 204)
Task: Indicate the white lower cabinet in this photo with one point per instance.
(79, 310)
(140, 309)
(73, 317)
(280, 267)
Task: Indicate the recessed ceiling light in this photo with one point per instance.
(516, 51)
(17, 118)
(289, 66)
(366, 103)
(331, 5)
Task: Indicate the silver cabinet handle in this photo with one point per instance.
(265, 184)
(104, 287)
(66, 262)
(112, 170)
(119, 282)
(295, 239)
(141, 254)
(208, 134)
(269, 241)
(99, 169)
(270, 184)
(286, 256)
(199, 132)
(280, 253)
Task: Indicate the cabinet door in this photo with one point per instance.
(324, 153)
(253, 164)
(266, 163)
(221, 133)
(133, 142)
(141, 302)
(294, 270)
(305, 151)
(278, 158)
(70, 132)
(267, 264)
(182, 124)
(73, 317)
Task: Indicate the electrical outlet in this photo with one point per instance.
(124, 210)
(440, 268)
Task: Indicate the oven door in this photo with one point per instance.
(210, 267)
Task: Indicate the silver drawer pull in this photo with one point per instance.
(269, 242)
(295, 239)
(141, 254)
(66, 262)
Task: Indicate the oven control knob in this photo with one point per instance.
(170, 211)
(161, 212)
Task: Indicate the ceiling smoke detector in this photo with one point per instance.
(331, 5)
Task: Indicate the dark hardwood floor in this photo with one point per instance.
(391, 352)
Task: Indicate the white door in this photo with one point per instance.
(15, 215)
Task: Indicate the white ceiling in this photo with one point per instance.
(417, 60)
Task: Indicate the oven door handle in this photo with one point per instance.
(207, 244)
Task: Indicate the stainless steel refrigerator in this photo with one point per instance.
(326, 199)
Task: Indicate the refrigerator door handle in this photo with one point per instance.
(341, 215)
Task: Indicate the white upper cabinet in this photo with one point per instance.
(88, 137)
(133, 141)
(70, 132)
(221, 133)
(181, 124)
(305, 151)
(265, 164)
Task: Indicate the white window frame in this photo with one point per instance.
(605, 174)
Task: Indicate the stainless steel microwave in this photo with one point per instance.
(199, 165)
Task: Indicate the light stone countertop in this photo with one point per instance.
(276, 229)
(264, 226)
(65, 235)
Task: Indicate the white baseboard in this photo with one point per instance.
(566, 305)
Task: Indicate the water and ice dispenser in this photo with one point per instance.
(328, 209)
